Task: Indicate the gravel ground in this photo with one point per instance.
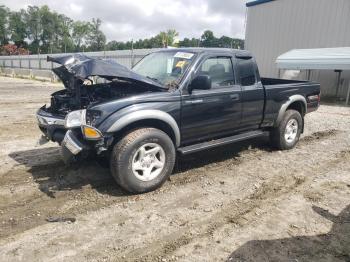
(243, 202)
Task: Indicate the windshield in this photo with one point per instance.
(166, 68)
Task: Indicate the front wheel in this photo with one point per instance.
(143, 160)
(287, 134)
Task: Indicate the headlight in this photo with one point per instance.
(91, 133)
(75, 119)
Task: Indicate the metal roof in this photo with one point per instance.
(318, 59)
(257, 2)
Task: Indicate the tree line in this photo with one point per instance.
(40, 30)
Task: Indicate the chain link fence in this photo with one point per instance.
(37, 67)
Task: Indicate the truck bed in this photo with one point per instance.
(277, 81)
(278, 91)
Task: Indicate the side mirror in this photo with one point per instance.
(201, 82)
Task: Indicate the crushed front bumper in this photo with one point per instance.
(45, 120)
(72, 143)
(51, 125)
(74, 146)
(71, 147)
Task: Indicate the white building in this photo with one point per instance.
(278, 26)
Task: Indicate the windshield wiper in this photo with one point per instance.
(154, 79)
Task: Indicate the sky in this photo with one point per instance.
(134, 19)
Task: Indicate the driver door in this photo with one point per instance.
(216, 112)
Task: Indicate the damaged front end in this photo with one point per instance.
(87, 82)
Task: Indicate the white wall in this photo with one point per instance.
(276, 27)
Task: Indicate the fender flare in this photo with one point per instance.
(146, 115)
(292, 99)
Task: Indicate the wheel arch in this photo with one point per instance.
(298, 106)
(296, 102)
(147, 118)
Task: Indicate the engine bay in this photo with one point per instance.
(90, 81)
(87, 93)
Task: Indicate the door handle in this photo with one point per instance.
(198, 101)
(235, 97)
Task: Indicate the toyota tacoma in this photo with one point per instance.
(174, 101)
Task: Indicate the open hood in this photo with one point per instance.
(79, 66)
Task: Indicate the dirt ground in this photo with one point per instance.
(243, 202)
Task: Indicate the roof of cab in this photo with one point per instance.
(257, 2)
(198, 50)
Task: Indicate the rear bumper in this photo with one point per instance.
(312, 106)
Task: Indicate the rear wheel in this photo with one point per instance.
(143, 160)
(287, 134)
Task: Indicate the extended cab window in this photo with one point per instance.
(220, 70)
(246, 70)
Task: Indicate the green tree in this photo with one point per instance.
(4, 12)
(164, 38)
(49, 32)
(172, 34)
(168, 37)
(80, 32)
(112, 45)
(208, 39)
(46, 31)
(34, 26)
(18, 28)
(65, 31)
(186, 42)
(229, 42)
(96, 38)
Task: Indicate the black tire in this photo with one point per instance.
(277, 135)
(123, 155)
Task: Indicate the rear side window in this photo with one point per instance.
(220, 70)
(246, 70)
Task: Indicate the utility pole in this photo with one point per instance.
(132, 53)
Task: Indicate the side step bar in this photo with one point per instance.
(220, 142)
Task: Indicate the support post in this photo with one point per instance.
(308, 74)
(338, 82)
(132, 53)
(348, 95)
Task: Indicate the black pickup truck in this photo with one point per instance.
(174, 101)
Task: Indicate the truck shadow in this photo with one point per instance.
(219, 154)
(51, 175)
(333, 246)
